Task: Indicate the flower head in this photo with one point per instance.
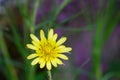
(48, 51)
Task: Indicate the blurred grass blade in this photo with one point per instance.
(17, 42)
(110, 75)
(97, 48)
(60, 8)
(71, 17)
(113, 16)
(35, 9)
(105, 26)
(111, 26)
(8, 65)
(24, 13)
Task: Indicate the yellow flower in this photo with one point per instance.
(48, 51)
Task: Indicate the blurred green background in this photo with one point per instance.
(91, 26)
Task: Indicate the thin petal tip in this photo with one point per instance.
(31, 35)
(27, 45)
(28, 57)
(70, 49)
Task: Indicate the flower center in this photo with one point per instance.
(46, 49)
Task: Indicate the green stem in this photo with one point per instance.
(11, 71)
(49, 75)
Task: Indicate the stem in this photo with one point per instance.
(49, 75)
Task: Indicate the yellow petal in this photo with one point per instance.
(34, 38)
(55, 37)
(37, 44)
(50, 34)
(30, 46)
(62, 56)
(65, 50)
(58, 61)
(35, 61)
(48, 65)
(42, 35)
(31, 56)
(42, 63)
(54, 62)
(61, 41)
(60, 47)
